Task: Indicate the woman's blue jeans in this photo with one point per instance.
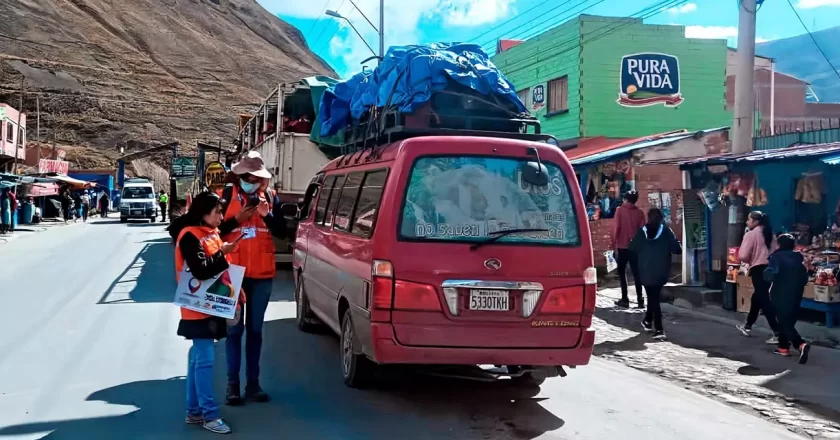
(201, 400)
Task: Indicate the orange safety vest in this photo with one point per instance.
(257, 253)
(212, 243)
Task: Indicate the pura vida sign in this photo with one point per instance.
(648, 79)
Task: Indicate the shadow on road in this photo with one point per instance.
(814, 382)
(150, 277)
(309, 400)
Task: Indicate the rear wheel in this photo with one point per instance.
(357, 369)
(527, 380)
(305, 319)
(123, 219)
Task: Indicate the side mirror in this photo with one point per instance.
(289, 210)
(534, 173)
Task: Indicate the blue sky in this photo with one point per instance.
(484, 21)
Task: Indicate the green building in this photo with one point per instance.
(618, 77)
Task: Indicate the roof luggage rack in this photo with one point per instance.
(454, 111)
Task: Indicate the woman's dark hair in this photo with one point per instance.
(202, 204)
(786, 242)
(631, 196)
(766, 230)
(654, 220)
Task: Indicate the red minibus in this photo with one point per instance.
(449, 251)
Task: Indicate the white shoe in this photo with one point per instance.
(773, 340)
(744, 330)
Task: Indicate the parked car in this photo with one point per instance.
(449, 251)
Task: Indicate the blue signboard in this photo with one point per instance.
(649, 79)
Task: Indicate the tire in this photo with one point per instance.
(306, 321)
(123, 219)
(358, 371)
(152, 219)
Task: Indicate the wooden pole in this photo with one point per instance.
(19, 131)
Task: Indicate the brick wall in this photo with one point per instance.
(601, 231)
(661, 179)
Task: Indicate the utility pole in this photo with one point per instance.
(18, 139)
(381, 30)
(742, 126)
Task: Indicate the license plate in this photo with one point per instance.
(137, 212)
(493, 300)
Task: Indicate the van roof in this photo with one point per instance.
(389, 152)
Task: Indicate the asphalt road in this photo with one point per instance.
(89, 351)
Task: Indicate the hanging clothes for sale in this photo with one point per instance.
(756, 195)
(809, 188)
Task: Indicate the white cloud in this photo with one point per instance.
(684, 9)
(761, 40)
(809, 4)
(719, 32)
(402, 21)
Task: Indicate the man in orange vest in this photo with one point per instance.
(255, 252)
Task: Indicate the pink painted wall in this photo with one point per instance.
(9, 138)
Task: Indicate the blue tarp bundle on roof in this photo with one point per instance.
(413, 74)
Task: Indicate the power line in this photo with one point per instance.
(814, 40)
(337, 29)
(564, 12)
(514, 19)
(318, 20)
(572, 43)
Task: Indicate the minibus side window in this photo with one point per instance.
(367, 208)
(334, 196)
(323, 199)
(348, 200)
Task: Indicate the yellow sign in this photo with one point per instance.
(214, 175)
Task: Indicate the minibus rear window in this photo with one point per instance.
(468, 198)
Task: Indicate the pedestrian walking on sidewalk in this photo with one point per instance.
(248, 200)
(5, 211)
(200, 246)
(786, 271)
(654, 244)
(628, 220)
(104, 204)
(756, 247)
(85, 197)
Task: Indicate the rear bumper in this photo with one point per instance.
(137, 213)
(386, 350)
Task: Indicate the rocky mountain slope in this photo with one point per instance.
(800, 57)
(135, 73)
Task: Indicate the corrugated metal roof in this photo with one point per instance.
(762, 155)
(651, 141)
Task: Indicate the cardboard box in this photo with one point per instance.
(827, 294)
(809, 291)
(743, 297)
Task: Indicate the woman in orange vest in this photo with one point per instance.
(248, 190)
(200, 246)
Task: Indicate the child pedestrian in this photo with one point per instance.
(654, 244)
(788, 276)
(756, 247)
(200, 247)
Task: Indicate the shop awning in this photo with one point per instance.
(828, 153)
(76, 183)
(627, 147)
(42, 190)
(832, 160)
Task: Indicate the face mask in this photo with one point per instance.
(249, 188)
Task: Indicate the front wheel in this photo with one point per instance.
(357, 369)
(305, 319)
(123, 219)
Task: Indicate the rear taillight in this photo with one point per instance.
(382, 291)
(589, 300)
(415, 297)
(564, 300)
(590, 276)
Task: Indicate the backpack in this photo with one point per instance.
(227, 193)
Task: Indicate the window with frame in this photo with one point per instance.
(323, 200)
(335, 194)
(347, 201)
(525, 96)
(367, 208)
(21, 139)
(558, 94)
(306, 209)
(10, 132)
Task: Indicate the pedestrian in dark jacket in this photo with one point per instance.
(654, 244)
(787, 273)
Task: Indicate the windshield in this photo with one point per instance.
(138, 192)
(470, 198)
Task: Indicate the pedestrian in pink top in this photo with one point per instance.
(756, 247)
(628, 220)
